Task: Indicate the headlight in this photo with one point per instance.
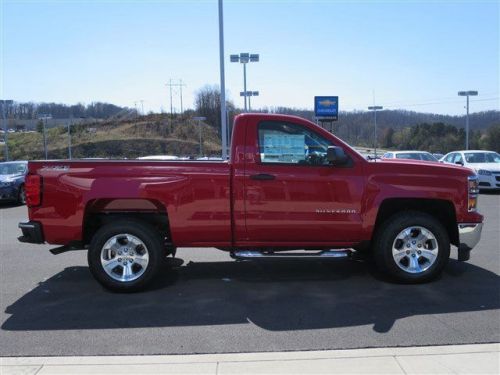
(473, 189)
(484, 172)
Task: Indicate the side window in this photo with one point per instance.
(449, 158)
(285, 143)
(458, 158)
(388, 155)
(427, 157)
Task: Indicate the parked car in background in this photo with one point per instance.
(12, 174)
(412, 155)
(486, 164)
(158, 157)
(438, 155)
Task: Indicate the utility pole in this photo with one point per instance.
(180, 85)
(223, 114)
(180, 88)
(69, 136)
(467, 94)
(375, 108)
(44, 119)
(6, 103)
(200, 119)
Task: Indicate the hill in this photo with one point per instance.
(148, 135)
(159, 134)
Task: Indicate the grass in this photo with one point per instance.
(147, 135)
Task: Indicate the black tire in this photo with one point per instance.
(386, 237)
(140, 230)
(21, 195)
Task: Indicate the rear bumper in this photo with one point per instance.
(469, 235)
(32, 232)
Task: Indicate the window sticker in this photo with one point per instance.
(283, 148)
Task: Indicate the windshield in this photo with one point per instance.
(482, 157)
(428, 157)
(12, 168)
(409, 155)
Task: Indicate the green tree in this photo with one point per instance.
(387, 140)
(39, 126)
(493, 138)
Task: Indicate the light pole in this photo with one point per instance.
(223, 121)
(69, 136)
(200, 119)
(44, 119)
(245, 58)
(375, 108)
(467, 94)
(5, 103)
(249, 94)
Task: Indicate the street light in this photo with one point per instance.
(375, 108)
(467, 94)
(5, 103)
(69, 135)
(223, 114)
(249, 94)
(245, 58)
(44, 119)
(200, 119)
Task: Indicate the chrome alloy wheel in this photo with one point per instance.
(124, 257)
(415, 249)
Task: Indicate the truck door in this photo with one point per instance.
(293, 196)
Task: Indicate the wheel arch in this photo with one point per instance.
(99, 212)
(442, 210)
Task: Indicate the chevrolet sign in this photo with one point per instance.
(326, 107)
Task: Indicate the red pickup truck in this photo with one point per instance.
(290, 189)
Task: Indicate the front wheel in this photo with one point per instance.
(412, 247)
(125, 255)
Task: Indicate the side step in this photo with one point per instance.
(324, 254)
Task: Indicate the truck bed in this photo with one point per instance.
(197, 192)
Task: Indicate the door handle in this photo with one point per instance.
(262, 177)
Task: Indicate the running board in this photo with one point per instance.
(325, 254)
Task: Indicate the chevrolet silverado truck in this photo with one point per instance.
(290, 189)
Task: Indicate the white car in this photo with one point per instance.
(486, 164)
(158, 157)
(413, 155)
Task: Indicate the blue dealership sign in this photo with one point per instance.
(326, 107)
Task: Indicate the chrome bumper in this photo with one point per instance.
(469, 235)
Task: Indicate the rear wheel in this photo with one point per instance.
(125, 255)
(412, 247)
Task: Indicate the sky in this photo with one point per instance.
(413, 55)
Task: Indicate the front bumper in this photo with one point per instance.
(489, 182)
(469, 235)
(32, 232)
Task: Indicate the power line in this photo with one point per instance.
(180, 85)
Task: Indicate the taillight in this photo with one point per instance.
(33, 189)
(473, 191)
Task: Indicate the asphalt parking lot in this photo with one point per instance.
(208, 303)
